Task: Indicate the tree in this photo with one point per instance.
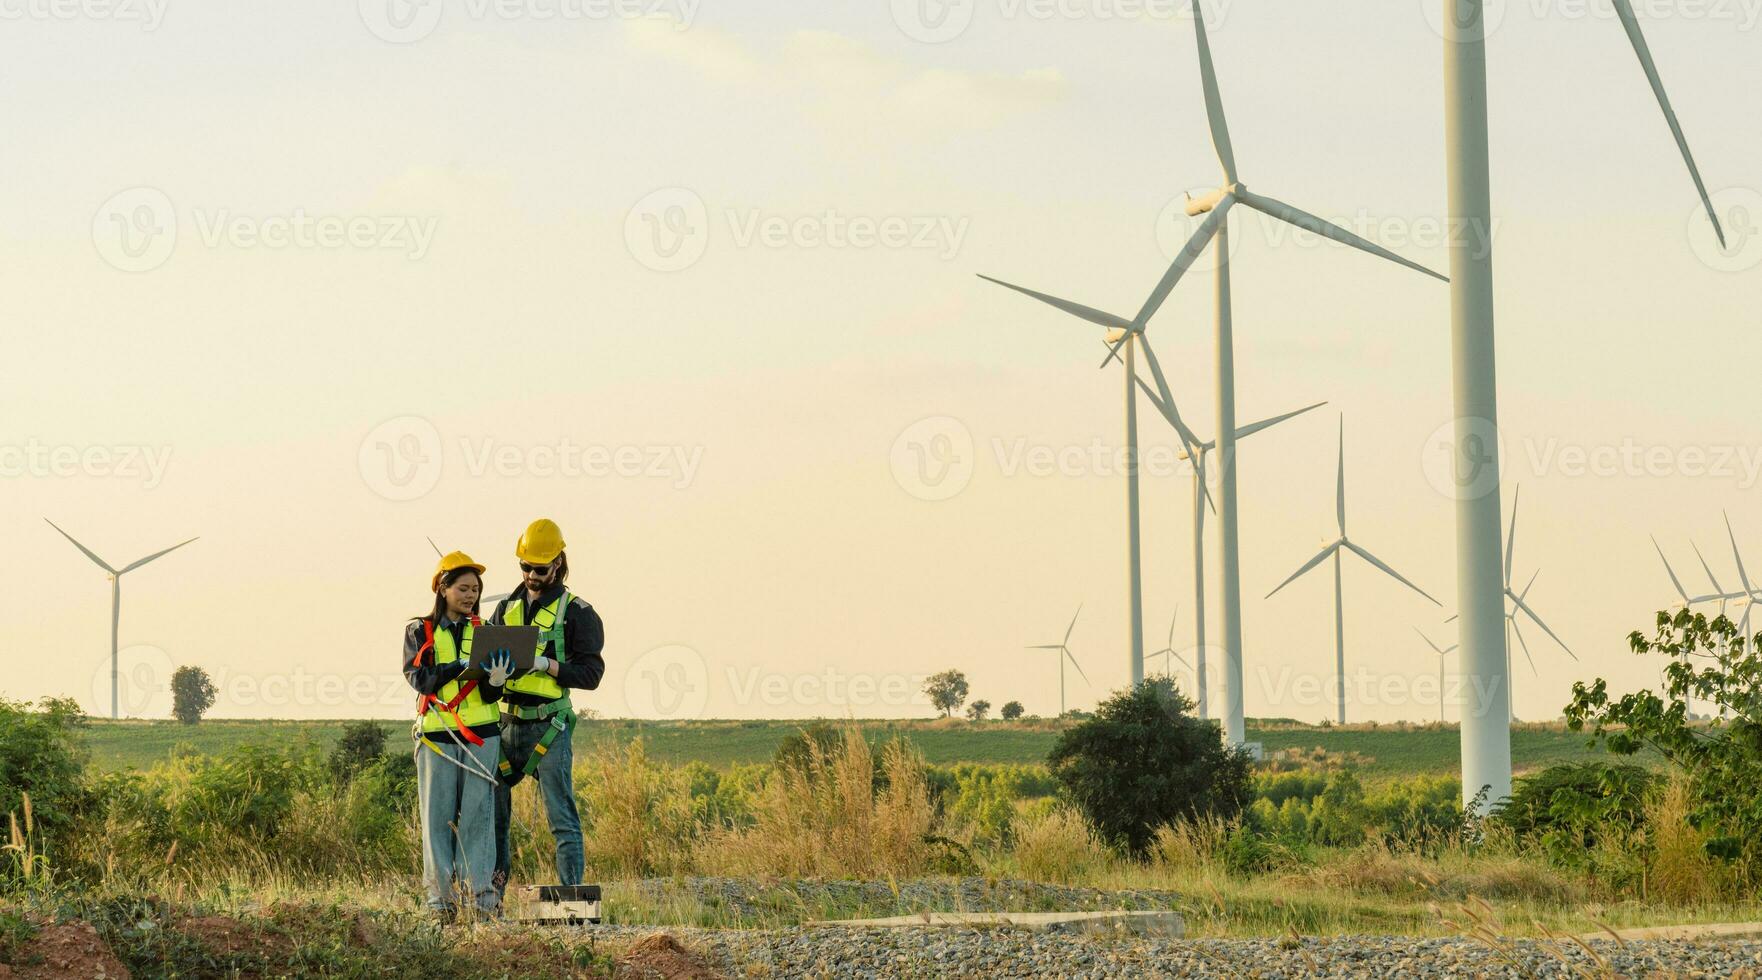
(192, 694)
(1012, 710)
(978, 710)
(1721, 759)
(1144, 761)
(946, 691)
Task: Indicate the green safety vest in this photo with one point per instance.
(549, 620)
(455, 705)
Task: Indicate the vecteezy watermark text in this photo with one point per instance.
(148, 13)
(409, 21)
(38, 460)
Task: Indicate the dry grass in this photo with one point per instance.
(1060, 846)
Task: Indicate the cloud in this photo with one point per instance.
(841, 82)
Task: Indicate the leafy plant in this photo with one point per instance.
(361, 745)
(1721, 757)
(946, 691)
(1011, 710)
(978, 710)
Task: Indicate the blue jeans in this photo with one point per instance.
(556, 783)
(458, 810)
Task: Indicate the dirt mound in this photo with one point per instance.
(661, 957)
(60, 952)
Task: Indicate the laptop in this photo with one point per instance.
(521, 641)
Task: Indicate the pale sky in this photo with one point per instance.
(688, 277)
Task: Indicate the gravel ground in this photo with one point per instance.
(973, 954)
(747, 898)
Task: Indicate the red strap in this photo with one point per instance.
(450, 708)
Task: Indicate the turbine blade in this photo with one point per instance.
(1378, 562)
(1075, 309)
(1320, 557)
(436, 547)
(1719, 590)
(1309, 222)
(1184, 260)
(1511, 533)
(1743, 576)
(1214, 102)
(1435, 648)
(1264, 424)
(1077, 665)
(1674, 581)
(1164, 400)
(1518, 632)
(1073, 625)
(1045, 646)
(101, 563)
(155, 555)
(1531, 613)
(1625, 10)
(1340, 487)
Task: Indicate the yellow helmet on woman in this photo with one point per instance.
(453, 562)
(541, 544)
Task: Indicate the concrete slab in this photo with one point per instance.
(1114, 922)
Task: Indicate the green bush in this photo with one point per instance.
(1721, 758)
(1144, 761)
(1571, 809)
(362, 744)
(43, 757)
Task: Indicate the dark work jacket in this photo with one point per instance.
(584, 637)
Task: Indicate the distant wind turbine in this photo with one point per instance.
(1216, 208)
(1443, 654)
(1168, 653)
(1750, 594)
(1064, 653)
(1332, 550)
(116, 575)
(1198, 452)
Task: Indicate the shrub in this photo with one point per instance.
(1721, 759)
(978, 710)
(192, 694)
(43, 756)
(1144, 761)
(1570, 809)
(1011, 710)
(361, 745)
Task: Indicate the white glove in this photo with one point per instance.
(544, 665)
(501, 664)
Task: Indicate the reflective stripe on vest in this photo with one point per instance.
(471, 711)
(550, 621)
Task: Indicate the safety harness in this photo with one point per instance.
(559, 712)
(449, 712)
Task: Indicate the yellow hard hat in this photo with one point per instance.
(452, 562)
(541, 544)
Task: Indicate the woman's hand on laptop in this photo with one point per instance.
(501, 664)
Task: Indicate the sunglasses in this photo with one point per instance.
(544, 569)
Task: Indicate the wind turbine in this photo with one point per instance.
(1676, 583)
(1064, 653)
(1216, 208)
(1168, 653)
(1197, 452)
(1486, 729)
(1332, 550)
(1443, 653)
(1749, 594)
(1119, 330)
(116, 575)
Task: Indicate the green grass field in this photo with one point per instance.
(1386, 750)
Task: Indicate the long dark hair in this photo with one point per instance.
(440, 601)
(562, 567)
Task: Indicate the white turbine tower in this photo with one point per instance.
(1197, 452)
(1443, 654)
(1064, 653)
(1486, 727)
(1332, 550)
(1218, 204)
(116, 575)
(1120, 330)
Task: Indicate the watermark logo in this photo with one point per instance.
(1448, 18)
(136, 229)
(933, 21)
(668, 230)
(401, 458)
(933, 459)
(670, 683)
(143, 683)
(409, 21)
(1740, 214)
(400, 21)
(1461, 458)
